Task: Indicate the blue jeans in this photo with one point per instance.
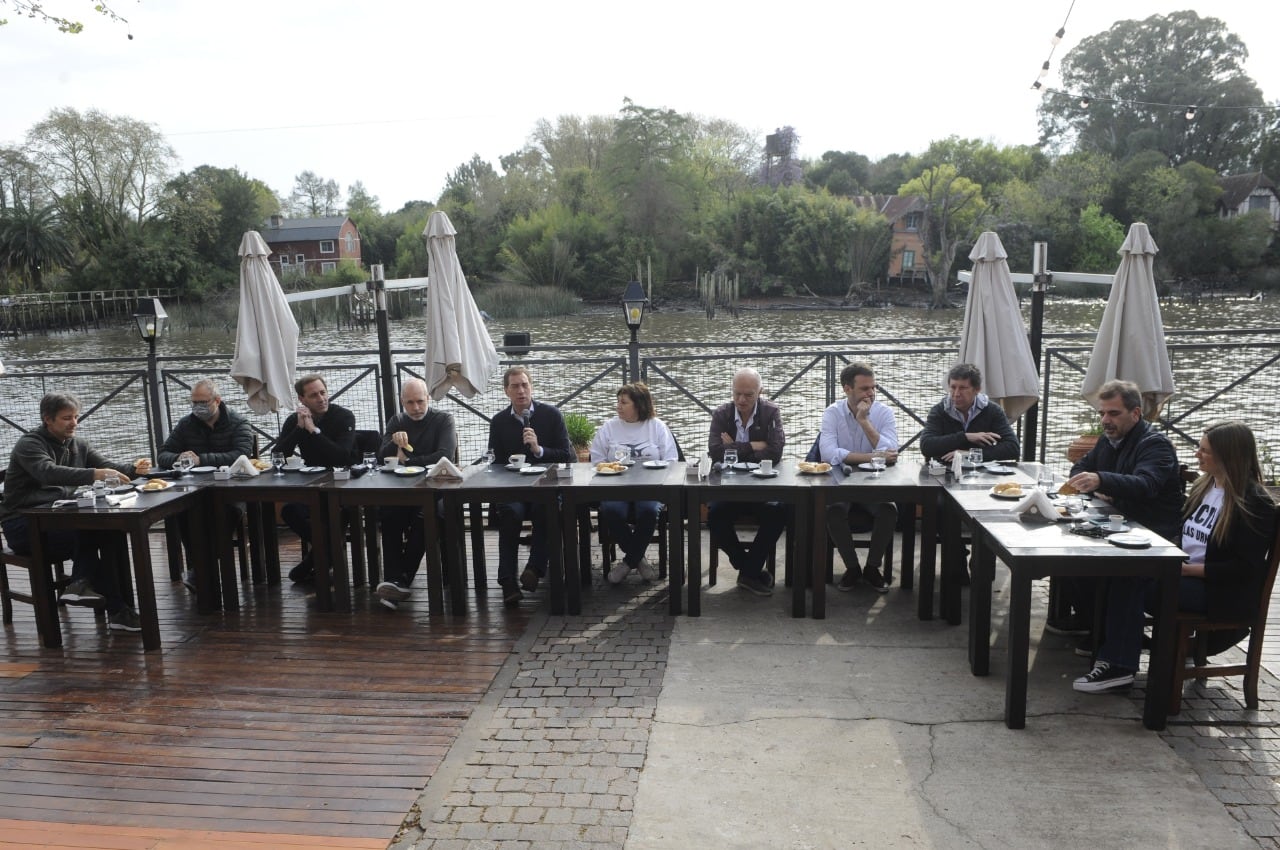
(1128, 601)
(632, 541)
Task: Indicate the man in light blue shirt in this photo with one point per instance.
(851, 430)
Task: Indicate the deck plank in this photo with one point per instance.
(275, 726)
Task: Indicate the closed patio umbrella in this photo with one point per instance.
(1130, 344)
(266, 332)
(459, 352)
(993, 337)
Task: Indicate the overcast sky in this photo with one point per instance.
(398, 93)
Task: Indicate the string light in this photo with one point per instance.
(1044, 70)
(1190, 114)
(1057, 36)
(1036, 84)
(1085, 101)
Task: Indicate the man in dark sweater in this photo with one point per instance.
(326, 435)
(417, 436)
(210, 435)
(536, 431)
(48, 464)
(967, 419)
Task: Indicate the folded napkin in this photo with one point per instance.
(243, 466)
(65, 503)
(124, 500)
(704, 467)
(957, 464)
(445, 470)
(1037, 504)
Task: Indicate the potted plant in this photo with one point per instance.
(1083, 444)
(580, 433)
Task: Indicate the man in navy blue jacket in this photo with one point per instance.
(536, 431)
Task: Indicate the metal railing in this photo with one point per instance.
(1220, 374)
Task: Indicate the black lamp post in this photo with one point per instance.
(634, 303)
(152, 321)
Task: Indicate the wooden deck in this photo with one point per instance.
(272, 727)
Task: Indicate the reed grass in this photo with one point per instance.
(513, 301)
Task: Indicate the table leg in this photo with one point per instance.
(146, 588)
(330, 540)
(980, 608)
(693, 519)
(479, 573)
(817, 562)
(907, 570)
(953, 566)
(675, 546)
(435, 567)
(928, 556)
(221, 581)
(43, 600)
(1015, 689)
(569, 533)
(555, 558)
(1155, 709)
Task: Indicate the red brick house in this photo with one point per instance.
(311, 245)
(906, 220)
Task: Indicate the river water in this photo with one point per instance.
(915, 378)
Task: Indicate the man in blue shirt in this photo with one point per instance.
(852, 429)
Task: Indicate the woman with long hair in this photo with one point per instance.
(637, 430)
(1228, 523)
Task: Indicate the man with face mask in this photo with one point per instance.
(210, 435)
(419, 436)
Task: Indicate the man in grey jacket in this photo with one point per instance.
(48, 464)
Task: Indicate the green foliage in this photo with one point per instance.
(1100, 239)
(513, 301)
(32, 241)
(954, 214)
(580, 429)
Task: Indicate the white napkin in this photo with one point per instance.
(957, 464)
(124, 500)
(704, 467)
(1038, 504)
(243, 466)
(445, 470)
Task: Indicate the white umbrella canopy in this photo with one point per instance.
(1130, 344)
(266, 332)
(993, 337)
(459, 352)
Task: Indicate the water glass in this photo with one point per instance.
(99, 488)
(877, 463)
(730, 460)
(975, 457)
(371, 461)
(489, 457)
(1044, 479)
(184, 465)
(111, 480)
(277, 460)
(621, 453)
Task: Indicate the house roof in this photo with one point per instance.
(1236, 188)
(305, 229)
(892, 207)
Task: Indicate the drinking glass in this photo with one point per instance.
(111, 480)
(184, 465)
(277, 460)
(621, 454)
(973, 460)
(730, 460)
(877, 463)
(371, 461)
(489, 457)
(99, 488)
(1044, 479)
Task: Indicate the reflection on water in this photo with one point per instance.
(684, 387)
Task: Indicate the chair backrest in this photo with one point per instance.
(366, 441)
(1273, 562)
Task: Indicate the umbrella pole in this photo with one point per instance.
(379, 287)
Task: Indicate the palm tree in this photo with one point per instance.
(31, 240)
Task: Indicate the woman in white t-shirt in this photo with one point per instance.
(643, 436)
(1228, 523)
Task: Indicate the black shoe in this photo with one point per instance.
(511, 594)
(767, 578)
(1103, 677)
(1072, 625)
(754, 584)
(875, 579)
(304, 572)
(850, 579)
(529, 579)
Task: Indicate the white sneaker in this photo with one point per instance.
(647, 570)
(389, 591)
(619, 572)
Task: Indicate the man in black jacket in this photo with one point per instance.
(326, 435)
(967, 419)
(210, 435)
(50, 463)
(536, 431)
(417, 436)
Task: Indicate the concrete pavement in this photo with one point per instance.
(745, 728)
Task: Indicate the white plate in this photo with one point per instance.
(998, 468)
(1103, 522)
(515, 467)
(744, 466)
(656, 464)
(313, 470)
(1132, 540)
(203, 470)
(1008, 496)
(610, 471)
(869, 468)
(297, 467)
(410, 470)
(533, 470)
(760, 473)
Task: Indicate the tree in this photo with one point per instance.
(313, 196)
(868, 249)
(35, 9)
(32, 242)
(954, 210)
(1141, 76)
(840, 173)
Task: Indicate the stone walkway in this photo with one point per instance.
(554, 756)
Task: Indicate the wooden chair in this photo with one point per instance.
(1189, 624)
(53, 578)
(886, 569)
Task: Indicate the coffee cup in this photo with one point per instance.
(516, 460)
(293, 462)
(1074, 505)
(390, 462)
(766, 467)
(1115, 522)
